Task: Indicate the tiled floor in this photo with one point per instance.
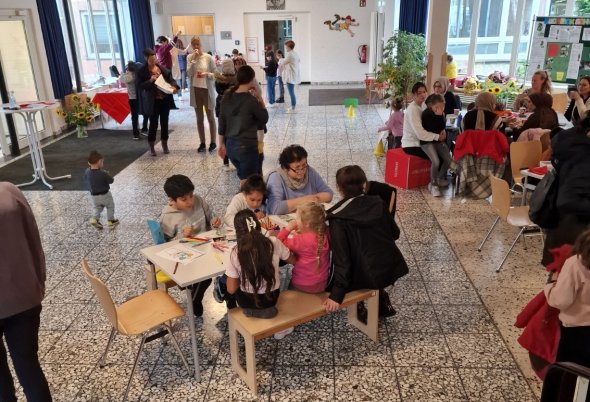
(452, 339)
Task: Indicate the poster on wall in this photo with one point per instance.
(272, 5)
(252, 50)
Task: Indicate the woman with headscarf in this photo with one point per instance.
(543, 116)
(441, 86)
(483, 116)
(224, 81)
(22, 288)
(200, 69)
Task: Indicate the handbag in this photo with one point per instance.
(543, 203)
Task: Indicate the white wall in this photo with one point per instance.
(327, 56)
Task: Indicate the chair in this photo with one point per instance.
(560, 102)
(140, 315)
(524, 155)
(515, 216)
(161, 277)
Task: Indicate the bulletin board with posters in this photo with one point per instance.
(561, 46)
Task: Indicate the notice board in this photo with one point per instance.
(561, 46)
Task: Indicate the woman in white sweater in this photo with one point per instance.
(290, 73)
(570, 293)
(579, 101)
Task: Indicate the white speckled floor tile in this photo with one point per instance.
(430, 384)
(366, 383)
(423, 350)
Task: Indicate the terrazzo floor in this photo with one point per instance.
(452, 339)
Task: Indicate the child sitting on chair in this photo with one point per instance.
(186, 215)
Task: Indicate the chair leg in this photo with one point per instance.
(488, 235)
(101, 362)
(523, 239)
(510, 249)
(177, 347)
(134, 367)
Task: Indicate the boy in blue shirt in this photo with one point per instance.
(98, 183)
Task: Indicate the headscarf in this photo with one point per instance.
(543, 114)
(444, 82)
(484, 101)
(22, 266)
(227, 67)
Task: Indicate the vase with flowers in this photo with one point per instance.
(80, 113)
(504, 87)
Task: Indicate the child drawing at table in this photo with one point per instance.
(187, 214)
(251, 196)
(395, 124)
(253, 272)
(98, 182)
(311, 247)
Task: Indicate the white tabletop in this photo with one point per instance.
(209, 265)
(528, 173)
(32, 106)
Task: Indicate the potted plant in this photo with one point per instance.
(80, 113)
(403, 64)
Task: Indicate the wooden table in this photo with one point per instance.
(114, 102)
(209, 265)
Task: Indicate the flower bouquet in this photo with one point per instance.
(81, 113)
(503, 87)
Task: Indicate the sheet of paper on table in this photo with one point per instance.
(163, 85)
(180, 253)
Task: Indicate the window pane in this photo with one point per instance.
(489, 18)
(557, 7)
(459, 31)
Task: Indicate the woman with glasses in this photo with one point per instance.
(442, 87)
(295, 183)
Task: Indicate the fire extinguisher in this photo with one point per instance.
(362, 53)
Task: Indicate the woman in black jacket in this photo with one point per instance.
(362, 238)
(152, 101)
(571, 159)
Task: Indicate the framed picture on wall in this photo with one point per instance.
(252, 49)
(275, 5)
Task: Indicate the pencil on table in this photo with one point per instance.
(175, 268)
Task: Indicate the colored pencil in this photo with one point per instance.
(175, 268)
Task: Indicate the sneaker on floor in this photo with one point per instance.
(218, 293)
(434, 190)
(291, 110)
(228, 168)
(144, 132)
(442, 182)
(136, 137)
(96, 223)
(280, 100)
(111, 224)
(212, 147)
(281, 334)
(202, 148)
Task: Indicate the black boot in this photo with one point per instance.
(165, 146)
(385, 307)
(136, 134)
(152, 149)
(198, 292)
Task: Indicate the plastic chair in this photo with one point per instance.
(524, 155)
(140, 315)
(566, 381)
(161, 277)
(515, 216)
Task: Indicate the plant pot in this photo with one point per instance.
(81, 131)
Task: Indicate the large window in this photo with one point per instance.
(97, 35)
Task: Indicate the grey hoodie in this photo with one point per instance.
(172, 220)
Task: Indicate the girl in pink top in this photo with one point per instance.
(395, 124)
(311, 247)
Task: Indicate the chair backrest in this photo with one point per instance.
(500, 197)
(156, 231)
(386, 192)
(560, 102)
(103, 294)
(524, 155)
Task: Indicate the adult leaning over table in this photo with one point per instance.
(295, 183)
(483, 116)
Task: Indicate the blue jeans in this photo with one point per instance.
(291, 89)
(270, 88)
(281, 87)
(244, 156)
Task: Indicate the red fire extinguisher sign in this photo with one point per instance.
(362, 50)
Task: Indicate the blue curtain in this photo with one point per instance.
(141, 26)
(55, 48)
(413, 15)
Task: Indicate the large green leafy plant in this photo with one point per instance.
(403, 64)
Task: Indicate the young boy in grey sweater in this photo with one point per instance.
(98, 183)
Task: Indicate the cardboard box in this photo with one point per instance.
(406, 171)
(68, 102)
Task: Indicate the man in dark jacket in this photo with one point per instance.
(362, 239)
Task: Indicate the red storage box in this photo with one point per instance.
(406, 171)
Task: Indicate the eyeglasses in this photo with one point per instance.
(298, 169)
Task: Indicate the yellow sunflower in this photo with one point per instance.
(80, 115)
(75, 98)
(491, 90)
(497, 90)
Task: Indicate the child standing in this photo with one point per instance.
(271, 76)
(128, 78)
(98, 183)
(251, 196)
(395, 124)
(433, 121)
(310, 246)
(187, 214)
(570, 293)
(280, 60)
(253, 272)
(224, 81)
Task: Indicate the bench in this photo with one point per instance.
(295, 308)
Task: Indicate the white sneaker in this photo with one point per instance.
(291, 110)
(434, 190)
(281, 334)
(270, 105)
(229, 168)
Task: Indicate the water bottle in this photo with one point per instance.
(12, 101)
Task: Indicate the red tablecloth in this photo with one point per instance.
(115, 103)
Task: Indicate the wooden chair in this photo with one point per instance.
(560, 102)
(515, 216)
(161, 279)
(140, 315)
(524, 155)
